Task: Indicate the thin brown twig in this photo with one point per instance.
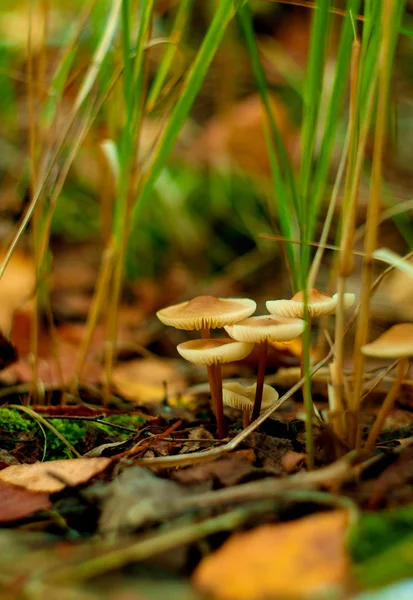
(146, 445)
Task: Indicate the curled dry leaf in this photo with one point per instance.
(299, 559)
(54, 476)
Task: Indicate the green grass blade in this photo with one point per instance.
(333, 112)
(312, 97)
(245, 21)
(181, 19)
(99, 55)
(190, 89)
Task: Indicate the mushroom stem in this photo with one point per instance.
(262, 362)
(215, 385)
(246, 418)
(401, 370)
(219, 405)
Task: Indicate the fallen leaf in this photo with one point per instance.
(299, 559)
(270, 450)
(292, 461)
(54, 476)
(145, 380)
(227, 471)
(135, 498)
(18, 503)
(198, 437)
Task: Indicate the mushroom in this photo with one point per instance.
(212, 353)
(261, 330)
(318, 304)
(395, 343)
(204, 313)
(242, 398)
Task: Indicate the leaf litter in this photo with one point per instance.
(168, 493)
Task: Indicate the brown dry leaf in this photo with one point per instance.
(295, 560)
(292, 461)
(135, 498)
(228, 470)
(144, 380)
(16, 287)
(18, 503)
(39, 477)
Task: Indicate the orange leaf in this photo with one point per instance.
(55, 475)
(299, 559)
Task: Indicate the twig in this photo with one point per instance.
(271, 488)
(116, 558)
(146, 445)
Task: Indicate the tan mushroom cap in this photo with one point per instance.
(242, 397)
(206, 312)
(266, 328)
(318, 304)
(214, 351)
(396, 342)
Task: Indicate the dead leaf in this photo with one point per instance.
(18, 503)
(144, 380)
(136, 497)
(200, 438)
(38, 477)
(295, 560)
(292, 461)
(227, 471)
(270, 450)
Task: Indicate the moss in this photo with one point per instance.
(13, 421)
(131, 421)
(75, 431)
(376, 532)
(381, 545)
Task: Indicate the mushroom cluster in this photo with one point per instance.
(284, 323)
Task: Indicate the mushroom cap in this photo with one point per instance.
(214, 351)
(242, 397)
(206, 312)
(266, 327)
(318, 304)
(396, 342)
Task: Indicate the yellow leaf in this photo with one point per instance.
(145, 380)
(295, 560)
